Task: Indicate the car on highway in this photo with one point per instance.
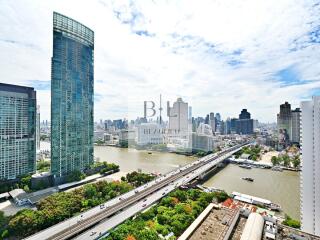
(92, 233)
(144, 200)
(144, 205)
(163, 194)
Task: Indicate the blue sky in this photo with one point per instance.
(220, 56)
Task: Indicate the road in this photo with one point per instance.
(117, 210)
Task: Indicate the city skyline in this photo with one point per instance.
(241, 59)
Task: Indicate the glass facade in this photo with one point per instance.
(71, 96)
(17, 131)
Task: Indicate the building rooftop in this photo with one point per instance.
(17, 192)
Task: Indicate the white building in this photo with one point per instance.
(310, 175)
(201, 142)
(127, 136)
(204, 129)
(150, 133)
(178, 115)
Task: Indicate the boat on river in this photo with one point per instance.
(245, 166)
(248, 179)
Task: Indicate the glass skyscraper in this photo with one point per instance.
(71, 96)
(17, 131)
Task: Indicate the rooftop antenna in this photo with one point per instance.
(160, 110)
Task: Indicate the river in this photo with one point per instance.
(279, 187)
(132, 160)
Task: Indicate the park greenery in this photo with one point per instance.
(286, 161)
(61, 206)
(291, 222)
(173, 214)
(253, 151)
(43, 166)
(23, 182)
(75, 175)
(104, 167)
(200, 153)
(137, 179)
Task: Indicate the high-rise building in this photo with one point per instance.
(296, 117)
(218, 117)
(17, 131)
(244, 114)
(38, 129)
(178, 115)
(212, 121)
(227, 126)
(233, 127)
(310, 175)
(190, 114)
(244, 125)
(71, 96)
(284, 120)
(207, 119)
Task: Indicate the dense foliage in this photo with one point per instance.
(286, 161)
(60, 206)
(253, 151)
(23, 182)
(200, 153)
(76, 175)
(137, 179)
(173, 214)
(43, 166)
(3, 224)
(105, 167)
(291, 222)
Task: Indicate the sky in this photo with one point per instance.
(218, 55)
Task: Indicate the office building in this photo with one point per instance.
(227, 126)
(204, 129)
(284, 120)
(310, 175)
(244, 125)
(18, 110)
(201, 142)
(178, 115)
(212, 121)
(71, 96)
(233, 128)
(218, 117)
(295, 125)
(207, 119)
(190, 114)
(150, 133)
(38, 129)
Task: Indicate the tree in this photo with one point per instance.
(286, 160)
(296, 161)
(275, 161)
(291, 222)
(221, 196)
(89, 191)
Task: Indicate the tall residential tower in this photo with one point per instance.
(17, 131)
(310, 175)
(71, 96)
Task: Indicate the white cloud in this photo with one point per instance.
(219, 55)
